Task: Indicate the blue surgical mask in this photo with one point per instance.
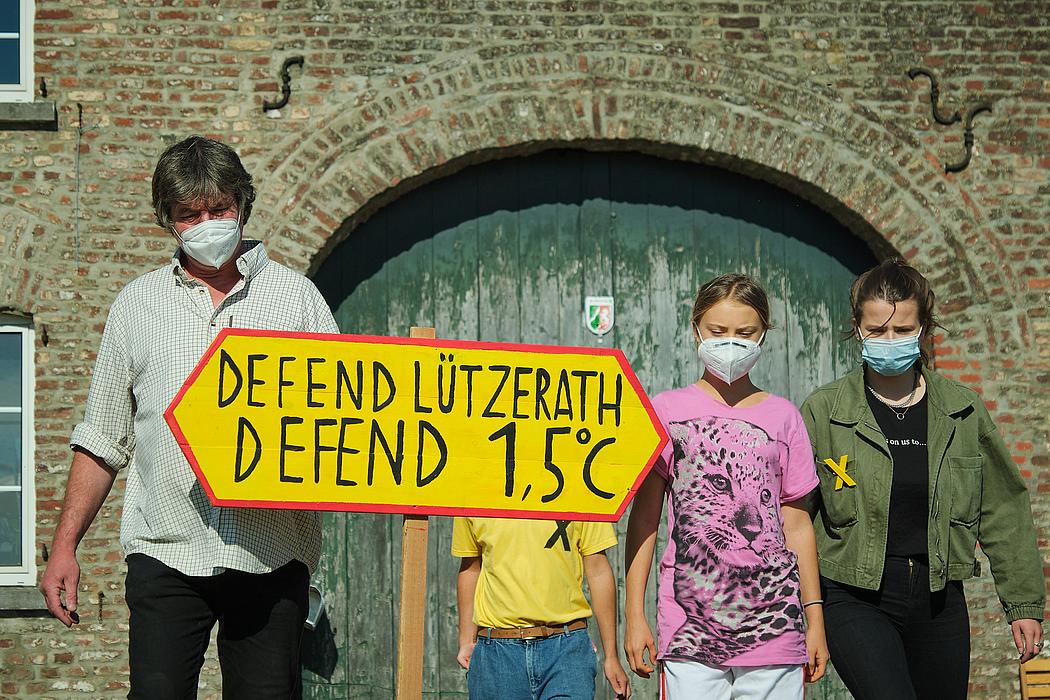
(891, 358)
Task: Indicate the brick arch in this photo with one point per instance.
(879, 181)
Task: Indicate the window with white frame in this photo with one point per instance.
(16, 50)
(17, 492)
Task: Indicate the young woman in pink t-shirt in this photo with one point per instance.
(739, 609)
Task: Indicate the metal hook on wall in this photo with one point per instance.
(935, 95)
(286, 83)
(968, 138)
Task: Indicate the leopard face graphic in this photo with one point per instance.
(735, 579)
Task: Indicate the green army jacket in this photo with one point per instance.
(976, 493)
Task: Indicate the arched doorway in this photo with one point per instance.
(507, 251)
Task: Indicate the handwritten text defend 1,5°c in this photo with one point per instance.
(391, 425)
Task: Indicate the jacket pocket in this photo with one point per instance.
(839, 506)
(967, 489)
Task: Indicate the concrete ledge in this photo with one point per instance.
(21, 601)
(28, 116)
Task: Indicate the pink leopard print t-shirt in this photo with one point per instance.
(729, 591)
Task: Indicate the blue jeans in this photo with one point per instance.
(562, 666)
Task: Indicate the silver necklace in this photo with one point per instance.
(896, 408)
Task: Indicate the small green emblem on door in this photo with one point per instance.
(599, 314)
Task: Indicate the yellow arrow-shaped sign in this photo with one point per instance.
(841, 477)
(393, 425)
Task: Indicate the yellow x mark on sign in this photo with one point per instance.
(840, 472)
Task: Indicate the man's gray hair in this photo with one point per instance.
(199, 169)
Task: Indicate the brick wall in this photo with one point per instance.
(811, 95)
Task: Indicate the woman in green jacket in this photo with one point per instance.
(913, 474)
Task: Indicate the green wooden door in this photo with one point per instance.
(507, 251)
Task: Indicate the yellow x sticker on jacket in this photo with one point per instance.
(840, 472)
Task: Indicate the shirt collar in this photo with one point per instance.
(250, 262)
(850, 403)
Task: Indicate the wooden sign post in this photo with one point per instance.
(415, 531)
(416, 426)
(414, 535)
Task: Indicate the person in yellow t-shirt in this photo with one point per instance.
(522, 611)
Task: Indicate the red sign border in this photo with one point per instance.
(387, 508)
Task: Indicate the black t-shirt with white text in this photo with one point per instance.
(909, 492)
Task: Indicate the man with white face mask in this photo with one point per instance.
(190, 564)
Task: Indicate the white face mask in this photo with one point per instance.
(729, 359)
(212, 242)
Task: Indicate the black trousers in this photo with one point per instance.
(901, 641)
(260, 620)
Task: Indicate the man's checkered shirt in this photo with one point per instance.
(158, 329)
